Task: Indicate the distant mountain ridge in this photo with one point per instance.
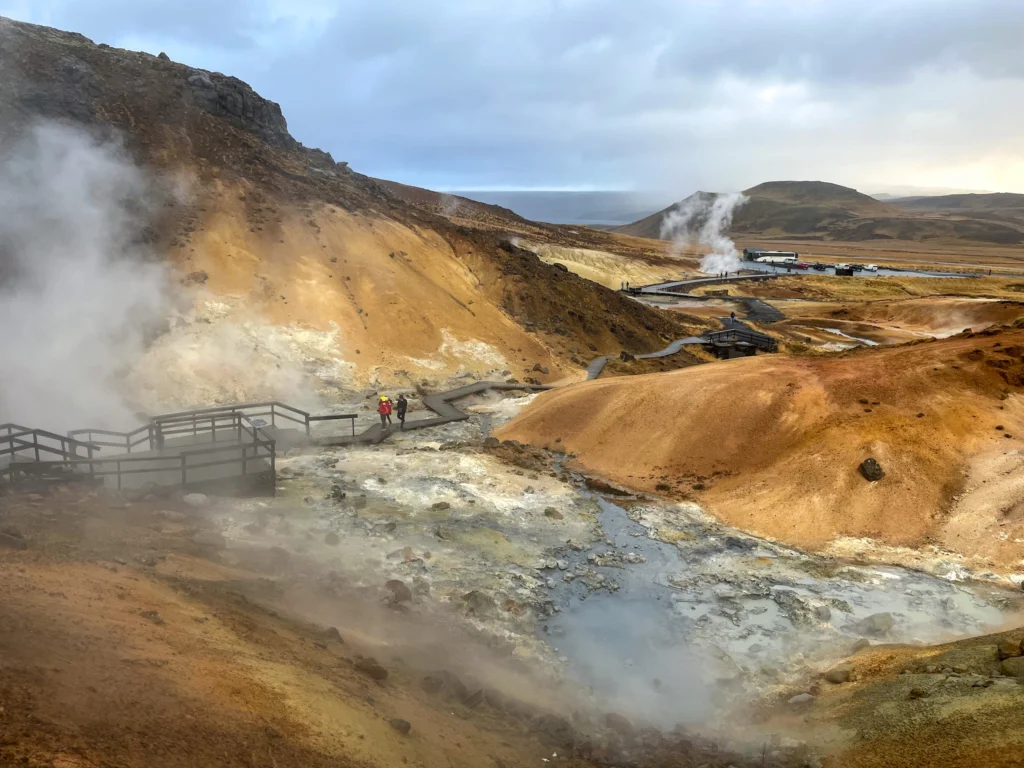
(817, 210)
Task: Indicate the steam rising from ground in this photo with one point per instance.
(703, 219)
(79, 290)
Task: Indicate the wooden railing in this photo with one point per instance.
(276, 410)
(234, 433)
(16, 439)
(252, 446)
(759, 340)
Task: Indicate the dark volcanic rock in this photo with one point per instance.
(370, 667)
(12, 542)
(876, 624)
(871, 470)
(402, 726)
(479, 603)
(398, 591)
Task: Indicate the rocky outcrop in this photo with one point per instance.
(233, 100)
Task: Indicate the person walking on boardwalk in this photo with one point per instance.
(384, 409)
(401, 407)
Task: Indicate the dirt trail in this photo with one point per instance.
(772, 444)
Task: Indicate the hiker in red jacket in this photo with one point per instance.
(384, 409)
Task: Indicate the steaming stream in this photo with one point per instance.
(659, 609)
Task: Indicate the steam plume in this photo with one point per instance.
(703, 219)
(79, 290)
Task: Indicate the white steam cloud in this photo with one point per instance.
(79, 290)
(703, 220)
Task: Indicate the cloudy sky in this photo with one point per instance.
(614, 94)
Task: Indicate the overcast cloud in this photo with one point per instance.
(647, 94)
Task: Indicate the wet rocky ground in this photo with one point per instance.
(654, 608)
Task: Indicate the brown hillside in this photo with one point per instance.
(815, 210)
(772, 444)
(301, 272)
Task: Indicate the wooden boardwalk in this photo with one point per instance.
(442, 404)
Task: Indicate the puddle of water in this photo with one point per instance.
(837, 332)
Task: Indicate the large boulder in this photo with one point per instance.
(398, 591)
(841, 674)
(1009, 649)
(876, 624)
(1014, 667)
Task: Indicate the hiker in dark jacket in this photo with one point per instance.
(400, 408)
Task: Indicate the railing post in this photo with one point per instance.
(183, 469)
(307, 425)
(119, 475)
(35, 442)
(353, 423)
(245, 465)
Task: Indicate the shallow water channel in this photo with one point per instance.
(719, 613)
(658, 608)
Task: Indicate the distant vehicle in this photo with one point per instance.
(844, 266)
(821, 267)
(844, 270)
(784, 261)
(761, 256)
(871, 268)
(856, 267)
(802, 265)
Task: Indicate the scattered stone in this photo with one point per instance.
(369, 666)
(871, 470)
(280, 556)
(440, 505)
(553, 513)
(147, 560)
(196, 500)
(332, 633)
(841, 674)
(1009, 650)
(876, 624)
(448, 681)
(492, 442)
(172, 516)
(918, 693)
(332, 539)
(619, 723)
(402, 726)
(555, 730)
(398, 591)
(860, 645)
(432, 684)
(8, 541)
(479, 603)
(474, 699)
(823, 613)
(153, 616)
(801, 699)
(563, 565)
